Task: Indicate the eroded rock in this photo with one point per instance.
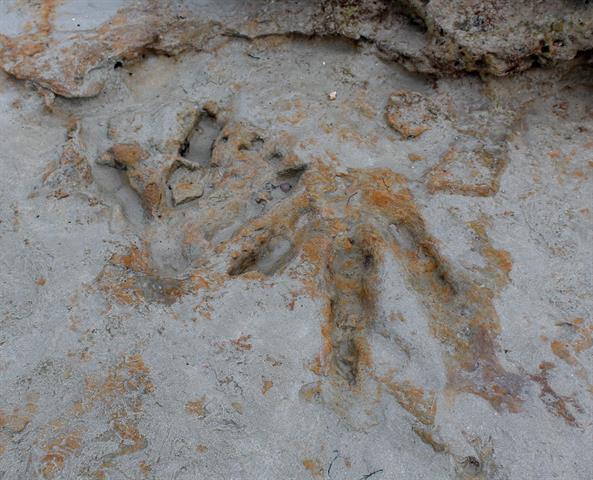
(462, 36)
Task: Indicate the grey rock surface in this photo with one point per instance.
(212, 268)
(69, 47)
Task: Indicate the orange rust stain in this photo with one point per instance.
(271, 41)
(58, 451)
(137, 260)
(364, 107)
(72, 164)
(462, 315)
(85, 356)
(198, 282)
(292, 302)
(499, 262)
(60, 194)
(128, 155)
(130, 375)
(413, 399)
(501, 258)
(380, 198)
(135, 365)
(267, 384)
(152, 197)
(124, 291)
(334, 206)
(253, 275)
(131, 440)
(585, 340)
(406, 130)
(148, 182)
(145, 468)
(40, 281)
(320, 364)
(197, 407)
(316, 366)
(125, 279)
(119, 395)
(315, 250)
(46, 15)
(346, 134)
(393, 317)
(441, 179)
(555, 154)
(242, 343)
(394, 118)
(298, 115)
(362, 351)
(15, 422)
(561, 350)
(311, 391)
(78, 408)
(27, 46)
(201, 448)
(562, 406)
(314, 467)
(568, 350)
(428, 437)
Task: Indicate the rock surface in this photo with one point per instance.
(296, 239)
(68, 47)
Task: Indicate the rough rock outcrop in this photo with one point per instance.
(438, 37)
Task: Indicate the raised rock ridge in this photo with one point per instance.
(437, 37)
